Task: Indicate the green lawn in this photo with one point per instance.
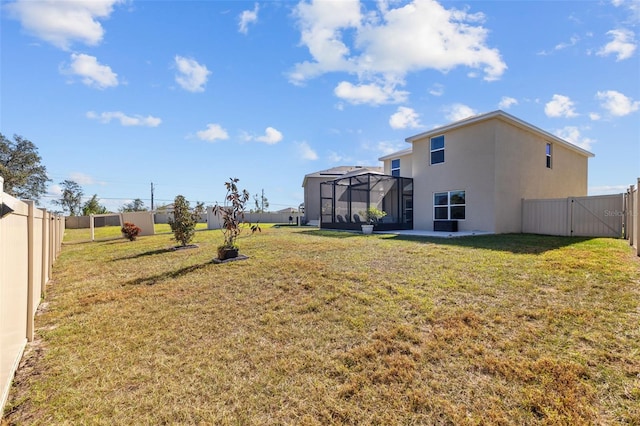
(321, 328)
(111, 232)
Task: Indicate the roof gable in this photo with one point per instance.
(498, 115)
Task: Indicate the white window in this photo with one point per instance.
(449, 205)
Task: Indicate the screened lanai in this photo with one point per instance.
(343, 201)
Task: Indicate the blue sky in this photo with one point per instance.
(117, 94)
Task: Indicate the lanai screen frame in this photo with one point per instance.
(343, 200)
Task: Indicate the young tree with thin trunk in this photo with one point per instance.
(71, 200)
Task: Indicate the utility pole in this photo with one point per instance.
(262, 202)
(151, 196)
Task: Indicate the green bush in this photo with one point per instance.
(183, 223)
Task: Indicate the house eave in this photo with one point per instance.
(396, 154)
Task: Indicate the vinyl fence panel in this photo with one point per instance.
(547, 217)
(30, 240)
(596, 216)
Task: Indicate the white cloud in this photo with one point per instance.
(54, 191)
(405, 118)
(507, 102)
(191, 76)
(248, 17)
(388, 43)
(212, 133)
(561, 46)
(385, 147)
(437, 90)
(306, 152)
(369, 93)
(336, 158)
(125, 120)
(572, 42)
(594, 116)
(623, 44)
(572, 134)
(271, 136)
(83, 179)
(92, 73)
(560, 106)
(616, 103)
(63, 22)
(458, 112)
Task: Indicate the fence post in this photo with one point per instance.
(629, 225)
(45, 253)
(570, 216)
(635, 217)
(31, 242)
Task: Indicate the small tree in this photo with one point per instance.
(262, 203)
(71, 200)
(136, 205)
(232, 214)
(183, 223)
(93, 206)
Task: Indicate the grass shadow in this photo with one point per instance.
(513, 243)
(145, 254)
(155, 279)
(332, 233)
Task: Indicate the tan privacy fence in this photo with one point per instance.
(632, 218)
(597, 216)
(30, 241)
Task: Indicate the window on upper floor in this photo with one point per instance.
(449, 205)
(395, 167)
(548, 148)
(437, 150)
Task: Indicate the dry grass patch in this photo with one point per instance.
(337, 328)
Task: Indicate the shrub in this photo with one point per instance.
(184, 220)
(232, 214)
(373, 215)
(130, 231)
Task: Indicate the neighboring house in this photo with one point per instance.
(288, 210)
(474, 173)
(312, 181)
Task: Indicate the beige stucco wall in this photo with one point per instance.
(469, 164)
(312, 197)
(521, 172)
(406, 165)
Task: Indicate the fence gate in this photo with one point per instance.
(596, 216)
(600, 216)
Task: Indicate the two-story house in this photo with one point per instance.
(474, 173)
(470, 175)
